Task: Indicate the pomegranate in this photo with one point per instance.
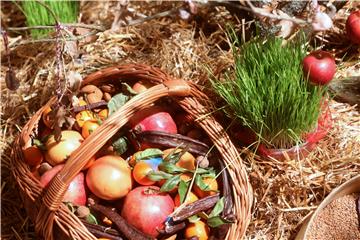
(146, 208)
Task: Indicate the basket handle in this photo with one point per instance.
(53, 195)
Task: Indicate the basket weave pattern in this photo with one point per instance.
(44, 206)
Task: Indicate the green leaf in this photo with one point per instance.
(120, 145)
(117, 102)
(129, 89)
(158, 175)
(219, 207)
(91, 219)
(204, 171)
(182, 190)
(39, 144)
(148, 153)
(217, 221)
(200, 183)
(175, 155)
(194, 218)
(210, 174)
(170, 184)
(171, 168)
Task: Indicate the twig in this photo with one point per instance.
(259, 11)
(68, 25)
(77, 109)
(196, 207)
(157, 15)
(77, 38)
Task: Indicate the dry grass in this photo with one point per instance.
(285, 192)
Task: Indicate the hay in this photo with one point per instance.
(285, 192)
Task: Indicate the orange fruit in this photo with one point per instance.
(212, 186)
(190, 199)
(140, 171)
(197, 229)
(33, 156)
(83, 116)
(187, 160)
(89, 127)
(103, 114)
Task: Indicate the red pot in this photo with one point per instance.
(299, 151)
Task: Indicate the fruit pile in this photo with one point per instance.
(151, 180)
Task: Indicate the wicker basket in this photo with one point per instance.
(52, 218)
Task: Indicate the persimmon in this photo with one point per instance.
(212, 187)
(109, 178)
(58, 152)
(197, 229)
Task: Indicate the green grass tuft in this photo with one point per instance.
(268, 93)
(37, 15)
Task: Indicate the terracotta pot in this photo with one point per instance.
(349, 187)
(300, 151)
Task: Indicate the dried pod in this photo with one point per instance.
(107, 96)
(12, 83)
(109, 88)
(92, 98)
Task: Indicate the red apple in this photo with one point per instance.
(319, 67)
(153, 118)
(76, 190)
(353, 27)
